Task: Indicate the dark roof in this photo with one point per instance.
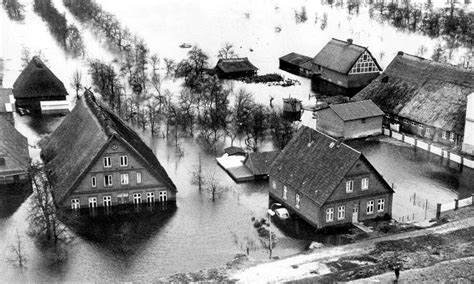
(235, 65)
(295, 58)
(259, 162)
(13, 146)
(340, 55)
(37, 81)
(356, 110)
(314, 164)
(308, 65)
(422, 90)
(76, 144)
(232, 150)
(5, 99)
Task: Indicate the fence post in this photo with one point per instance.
(414, 198)
(438, 211)
(456, 204)
(426, 207)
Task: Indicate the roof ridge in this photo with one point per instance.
(100, 113)
(334, 140)
(345, 41)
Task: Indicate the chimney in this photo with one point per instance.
(349, 41)
(400, 53)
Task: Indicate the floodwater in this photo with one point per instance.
(199, 233)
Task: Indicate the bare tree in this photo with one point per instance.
(198, 177)
(77, 81)
(18, 253)
(245, 244)
(227, 51)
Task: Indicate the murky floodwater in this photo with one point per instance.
(198, 234)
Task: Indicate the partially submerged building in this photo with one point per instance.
(327, 183)
(14, 157)
(37, 86)
(235, 68)
(350, 120)
(7, 104)
(250, 167)
(422, 97)
(347, 66)
(297, 64)
(94, 159)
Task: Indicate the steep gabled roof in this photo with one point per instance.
(314, 164)
(36, 80)
(259, 162)
(83, 135)
(356, 110)
(339, 56)
(13, 146)
(235, 65)
(422, 90)
(295, 58)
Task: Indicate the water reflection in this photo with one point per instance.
(11, 197)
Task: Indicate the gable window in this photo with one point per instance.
(349, 186)
(364, 183)
(123, 161)
(139, 177)
(297, 201)
(285, 192)
(92, 202)
(329, 214)
(274, 185)
(94, 181)
(444, 135)
(341, 212)
(163, 197)
(123, 178)
(381, 205)
(427, 131)
(75, 204)
(150, 197)
(451, 136)
(2, 161)
(108, 180)
(370, 207)
(107, 162)
(137, 198)
(107, 201)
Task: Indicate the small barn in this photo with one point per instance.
(346, 65)
(14, 157)
(297, 64)
(259, 163)
(235, 68)
(350, 120)
(35, 84)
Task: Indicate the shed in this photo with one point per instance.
(235, 68)
(296, 63)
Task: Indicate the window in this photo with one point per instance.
(150, 197)
(123, 178)
(107, 162)
(451, 136)
(108, 180)
(413, 123)
(349, 186)
(123, 161)
(139, 177)
(75, 204)
(163, 197)
(421, 126)
(137, 198)
(444, 135)
(363, 120)
(329, 214)
(427, 131)
(297, 201)
(364, 183)
(341, 212)
(381, 205)
(370, 207)
(94, 181)
(2, 161)
(92, 202)
(285, 192)
(107, 201)
(274, 185)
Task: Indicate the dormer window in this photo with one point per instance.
(123, 161)
(107, 162)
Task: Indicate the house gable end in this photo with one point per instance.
(366, 63)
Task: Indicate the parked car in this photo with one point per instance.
(282, 213)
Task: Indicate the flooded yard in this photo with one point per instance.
(200, 233)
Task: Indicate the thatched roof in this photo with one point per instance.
(422, 90)
(340, 56)
(259, 162)
(37, 81)
(356, 110)
(235, 65)
(314, 164)
(84, 134)
(295, 58)
(14, 148)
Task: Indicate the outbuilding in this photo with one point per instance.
(235, 68)
(297, 64)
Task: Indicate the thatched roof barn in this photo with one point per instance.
(428, 92)
(89, 131)
(14, 157)
(235, 68)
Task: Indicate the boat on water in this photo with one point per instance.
(185, 45)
